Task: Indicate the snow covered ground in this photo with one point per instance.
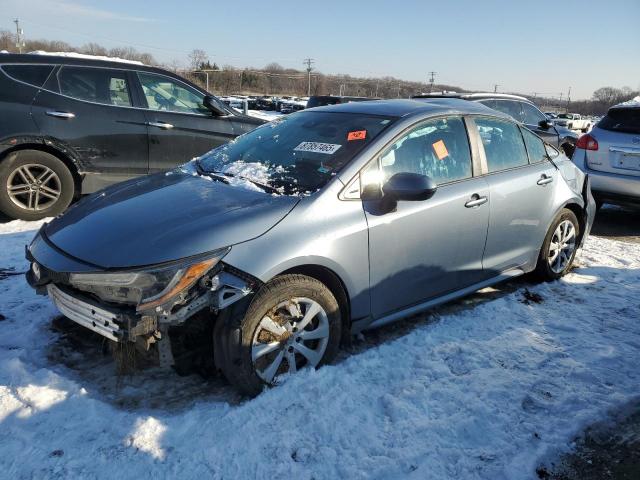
(488, 387)
(265, 114)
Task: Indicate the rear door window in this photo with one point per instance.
(503, 144)
(438, 148)
(511, 108)
(532, 116)
(625, 120)
(99, 85)
(34, 75)
(535, 146)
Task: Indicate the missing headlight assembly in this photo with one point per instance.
(141, 305)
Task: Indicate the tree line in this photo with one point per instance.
(274, 79)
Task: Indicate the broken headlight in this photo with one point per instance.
(151, 287)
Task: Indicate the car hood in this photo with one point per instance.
(164, 217)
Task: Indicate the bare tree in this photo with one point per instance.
(197, 59)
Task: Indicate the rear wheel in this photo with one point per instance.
(560, 247)
(34, 185)
(292, 323)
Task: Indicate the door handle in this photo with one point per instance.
(476, 201)
(164, 125)
(544, 179)
(58, 114)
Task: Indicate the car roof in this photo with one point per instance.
(409, 107)
(45, 59)
(472, 96)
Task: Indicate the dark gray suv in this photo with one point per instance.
(71, 126)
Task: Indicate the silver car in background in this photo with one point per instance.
(610, 154)
(276, 247)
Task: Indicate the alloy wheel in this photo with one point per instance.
(34, 187)
(562, 246)
(291, 336)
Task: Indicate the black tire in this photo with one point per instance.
(568, 149)
(544, 271)
(36, 161)
(235, 358)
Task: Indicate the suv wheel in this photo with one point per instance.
(34, 185)
(292, 323)
(560, 246)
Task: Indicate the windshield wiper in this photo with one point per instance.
(219, 176)
(264, 186)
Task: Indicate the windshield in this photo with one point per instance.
(297, 154)
(565, 115)
(621, 120)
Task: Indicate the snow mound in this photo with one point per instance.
(87, 56)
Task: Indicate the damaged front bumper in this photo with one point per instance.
(121, 323)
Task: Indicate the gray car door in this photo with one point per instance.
(521, 198)
(422, 249)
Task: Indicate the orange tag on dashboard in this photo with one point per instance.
(441, 150)
(357, 135)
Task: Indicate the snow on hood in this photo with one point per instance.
(84, 55)
(634, 103)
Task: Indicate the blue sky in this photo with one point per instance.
(524, 46)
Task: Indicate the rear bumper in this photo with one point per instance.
(607, 185)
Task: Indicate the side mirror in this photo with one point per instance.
(546, 124)
(409, 186)
(211, 103)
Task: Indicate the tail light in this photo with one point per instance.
(587, 142)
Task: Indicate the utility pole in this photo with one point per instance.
(308, 62)
(568, 98)
(431, 80)
(495, 87)
(19, 33)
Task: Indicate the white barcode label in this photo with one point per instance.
(317, 147)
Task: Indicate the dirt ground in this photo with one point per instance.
(605, 451)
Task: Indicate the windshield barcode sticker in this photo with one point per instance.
(316, 147)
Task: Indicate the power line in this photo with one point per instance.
(431, 80)
(309, 62)
(19, 33)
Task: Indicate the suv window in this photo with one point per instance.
(535, 146)
(164, 93)
(100, 85)
(625, 120)
(532, 116)
(503, 145)
(438, 148)
(510, 107)
(34, 75)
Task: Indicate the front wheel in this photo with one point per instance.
(292, 323)
(560, 246)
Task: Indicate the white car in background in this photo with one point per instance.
(574, 121)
